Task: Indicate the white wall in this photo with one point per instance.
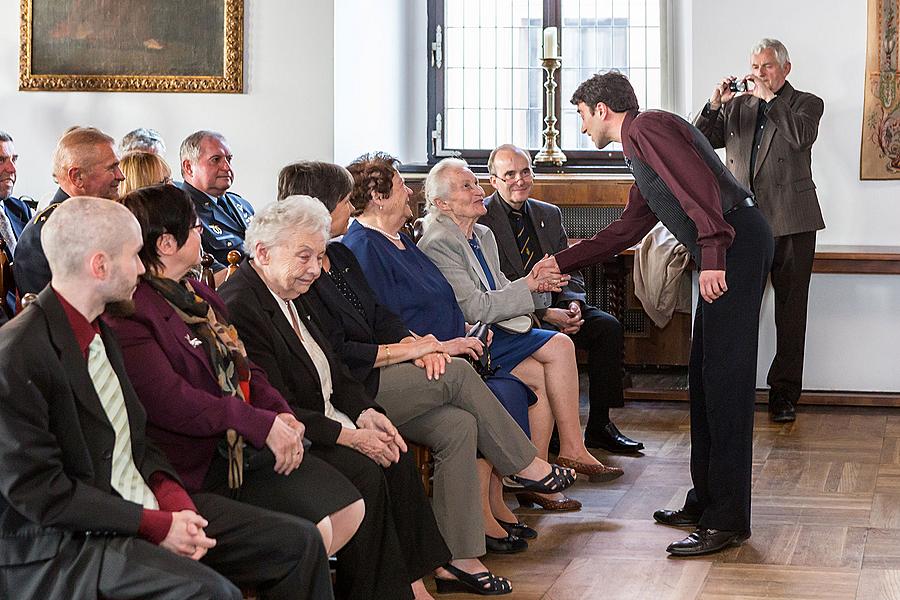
(380, 83)
(854, 319)
(286, 111)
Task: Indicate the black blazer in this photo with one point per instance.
(56, 443)
(222, 232)
(547, 221)
(354, 338)
(272, 344)
(30, 268)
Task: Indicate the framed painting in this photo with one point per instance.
(879, 156)
(132, 45)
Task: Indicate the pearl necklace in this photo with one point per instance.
(395, 237)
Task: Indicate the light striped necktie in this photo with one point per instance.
(6, 232)
(125, 478)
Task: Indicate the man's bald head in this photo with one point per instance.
(83, 227)
(85, 163)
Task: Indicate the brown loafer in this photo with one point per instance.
(598, 472)
(529, 499)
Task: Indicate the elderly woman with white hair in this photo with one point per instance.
(227, 430)
(466, 253)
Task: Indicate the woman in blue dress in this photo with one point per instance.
(408, 282)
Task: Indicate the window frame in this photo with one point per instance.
(605, 160)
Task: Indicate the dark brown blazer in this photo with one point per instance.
(782, 179)
(56, 441)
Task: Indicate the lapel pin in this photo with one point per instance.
(216, 229)
(542, 224)
(194, 342)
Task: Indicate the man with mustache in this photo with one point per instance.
(85, 163)
(15, 214)
(206, 167)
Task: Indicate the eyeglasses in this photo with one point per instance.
(198, 227)
(525, 175)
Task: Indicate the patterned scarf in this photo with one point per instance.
(223, 348)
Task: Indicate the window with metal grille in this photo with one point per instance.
(486, 84)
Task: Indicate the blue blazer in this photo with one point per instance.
(223, 231)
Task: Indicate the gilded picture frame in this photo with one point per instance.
(132, 46)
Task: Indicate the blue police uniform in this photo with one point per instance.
(225, 221)
(30, 267)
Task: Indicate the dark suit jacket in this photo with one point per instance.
(56, 441)
(355, 338)
(782, 181)
(18, 214)
(187, 412)
(272, 344)
(30, 268)
(552, 238)
(222, 232)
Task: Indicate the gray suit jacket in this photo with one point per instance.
(447, 247)
(552, 238)
(782, 181)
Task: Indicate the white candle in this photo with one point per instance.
(551, 46)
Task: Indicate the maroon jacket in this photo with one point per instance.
(187, 414)
(666, 143)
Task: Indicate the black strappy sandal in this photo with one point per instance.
(557, 480)
(469, 583)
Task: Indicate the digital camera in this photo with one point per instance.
(738, 85)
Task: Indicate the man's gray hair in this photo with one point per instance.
(190, 147)
(82, 226)
(5, 137)
(276, 222)
(143, 140)
(781, 53)
(78, 147)
(505, 148)
(437, 185)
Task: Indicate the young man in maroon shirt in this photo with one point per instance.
(680, 181)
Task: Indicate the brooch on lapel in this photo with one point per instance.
(194, 342)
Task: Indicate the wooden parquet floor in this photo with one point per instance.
(826, 517)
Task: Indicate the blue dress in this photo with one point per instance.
(509, 349)
(410, 285)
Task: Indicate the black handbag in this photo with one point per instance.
(482, 364)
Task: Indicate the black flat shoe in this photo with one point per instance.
(472, 583)
(510, 544)
(707, 541)
(519, 529)
(781, 409)
(611, 439)
(676, 518)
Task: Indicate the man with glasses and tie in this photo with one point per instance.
(206, 168)
(526, 229)
(89, 507)
(85, 163)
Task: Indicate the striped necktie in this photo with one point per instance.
(6, 232)
(523, 240)
(125, 477)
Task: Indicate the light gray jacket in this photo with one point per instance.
(447, 247)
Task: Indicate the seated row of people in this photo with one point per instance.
(230, 406)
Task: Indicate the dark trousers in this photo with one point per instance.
(124, 568)
(722, 379)
(790, 275)
(602, 336)
(398, 541)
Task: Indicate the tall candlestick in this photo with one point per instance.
(551, 152)
(551, 44)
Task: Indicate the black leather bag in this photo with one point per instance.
(482, 364)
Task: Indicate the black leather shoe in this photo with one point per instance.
(508, 545)
(706, 541)
(611, 439)
(519, 529)
(781, 409)
(676, 518)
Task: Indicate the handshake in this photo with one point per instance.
(545, 276)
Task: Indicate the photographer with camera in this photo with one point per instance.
(767, 129)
